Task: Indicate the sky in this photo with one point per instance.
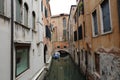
(61, 6)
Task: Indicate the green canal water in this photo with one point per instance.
(64, 69)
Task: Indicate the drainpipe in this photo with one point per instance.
(12, 37)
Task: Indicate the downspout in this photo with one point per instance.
(12, 38)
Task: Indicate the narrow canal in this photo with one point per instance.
(64, 69)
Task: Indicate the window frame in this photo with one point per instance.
(93, 26)
(22, 46)
(101, 19)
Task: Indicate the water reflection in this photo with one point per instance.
(64, 69)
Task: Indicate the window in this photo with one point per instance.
(75, 18)
(22, 58)
(95, 26)
(41, 5)
(64, 34)
(105, 16)
(46, 13)
(75, 35)
(58, 46)
(64, 23)
(80, 36)
(97, 63)
(81, 7)
(1, 6)
(18, 11)
(48, 33)
(33, 20)
(82, 55)
(65, 46)
(25, 14)
(119, 11)
(47, 1)
(84, 29)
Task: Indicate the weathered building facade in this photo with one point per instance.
(97, 39)
(71, 24)
(46, 12)
(59, 34)
(27, 60)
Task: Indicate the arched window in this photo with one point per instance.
(19, 11)
(25, 14)
(33, 20)
(64, 23)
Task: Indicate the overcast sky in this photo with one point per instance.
(61, 6)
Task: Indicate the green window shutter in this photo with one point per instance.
(1, 6)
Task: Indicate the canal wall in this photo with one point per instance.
(109, 67)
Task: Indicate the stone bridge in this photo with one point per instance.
(65, 49)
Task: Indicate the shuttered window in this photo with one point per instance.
(106, 16)
(18, 11)
(75, 35)
(80, 36)
(95, 26)
(25, 14)
(1, 6)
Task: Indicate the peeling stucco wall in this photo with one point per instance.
(110, 67)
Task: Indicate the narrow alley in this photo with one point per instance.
(59, 39)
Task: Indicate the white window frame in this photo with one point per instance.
(93, 29)
(101, 19)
